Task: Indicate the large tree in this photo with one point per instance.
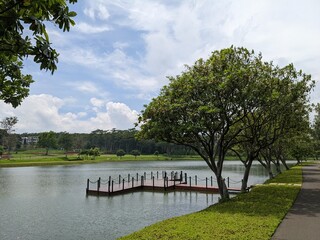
(47, 140)
(7, 139)
(316, 131)
(65, 141)
(203, 107)
(281, 106)
(16, 43)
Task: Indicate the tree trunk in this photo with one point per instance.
(223, 189)
(277, 163)
(246, 176)
(284, 164)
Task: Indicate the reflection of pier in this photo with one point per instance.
(153, 182)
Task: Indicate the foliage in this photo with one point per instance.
(280, 107)
(47, 140)
(65, 141)
(135, 153)
(316, 131)
(16, 43)
(109, 141)
(301, 147)
(253, 215)
(232, 99)
(8, 123)
(92, 152)
(156, 153)
(7, 138)
(120, 153)
(200, 107)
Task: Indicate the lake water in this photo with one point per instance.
(50, 202)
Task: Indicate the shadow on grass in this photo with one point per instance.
(262, 201)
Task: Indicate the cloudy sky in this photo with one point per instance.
(118, 55)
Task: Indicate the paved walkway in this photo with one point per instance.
(303, 220)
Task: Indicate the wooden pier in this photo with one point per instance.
(153, 182)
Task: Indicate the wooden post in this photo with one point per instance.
(181, 175)
(109, 186)
(190, 181)
(196, 180)
(137, 177)
(88, 182)
(185, 177)
(228, 179)
(122, 184)
(132, 182)
(98, 185)
(211, 181)
(112, 186)
(152, 182)
(206, 182)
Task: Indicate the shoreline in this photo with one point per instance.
(253, 215)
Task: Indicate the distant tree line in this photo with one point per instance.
(107, 141)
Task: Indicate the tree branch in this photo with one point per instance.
(9, 8)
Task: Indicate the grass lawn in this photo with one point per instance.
(254, 215)
(55, 157)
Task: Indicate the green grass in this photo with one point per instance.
(38, 158)
(254, 215)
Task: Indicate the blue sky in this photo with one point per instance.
(119, 53)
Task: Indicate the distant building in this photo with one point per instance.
(29, 140)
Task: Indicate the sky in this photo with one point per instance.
(118, 55)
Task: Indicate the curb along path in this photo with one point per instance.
(303, 219)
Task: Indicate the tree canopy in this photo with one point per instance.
(47, 140)
(7, 139)
(16, 43)
(316, 130)
(213, 103)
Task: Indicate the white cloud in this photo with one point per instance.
(181, 32)
(97, 102)
(120, 68)
(84, 87)
(43, 113)
(118, 115)
(154, 39)
(91, 29)
(97, 9)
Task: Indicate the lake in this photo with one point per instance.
(50, 202)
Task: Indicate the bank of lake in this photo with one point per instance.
(253, 215)
(38, 158)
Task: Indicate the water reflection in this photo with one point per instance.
(50, 202)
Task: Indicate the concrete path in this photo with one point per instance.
(303, 220)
